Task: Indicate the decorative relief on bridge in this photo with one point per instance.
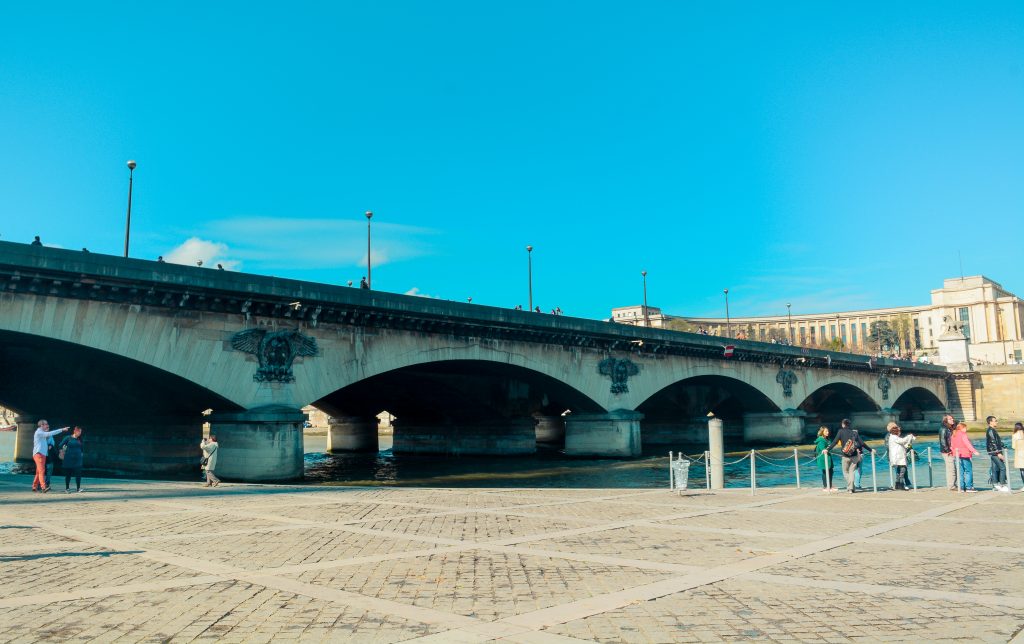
(787, 379)
(276, 351)
(884, 384)
(619, 371)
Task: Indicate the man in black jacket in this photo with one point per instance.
(945, 435)
(994, 447)
(850, 445)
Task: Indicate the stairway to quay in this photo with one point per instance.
(140, 561)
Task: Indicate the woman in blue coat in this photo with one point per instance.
(73, 451)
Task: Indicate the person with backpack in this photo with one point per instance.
(994, 447)
(72, 453)
(851, 446)
(824, 459)
(898, 446)
(945, 436)
(963, 451)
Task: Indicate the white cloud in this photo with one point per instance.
(195, 249)
(416, 291)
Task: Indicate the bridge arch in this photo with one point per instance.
(449, 406)
(830, 403)
(136, 416)
(916, 402)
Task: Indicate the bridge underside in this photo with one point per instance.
(455, 407)
(136, 419)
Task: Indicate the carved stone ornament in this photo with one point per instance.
(884, 384)
(276, 350)
(787, 379)
(619, 371)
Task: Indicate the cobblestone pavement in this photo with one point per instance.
(132, 561)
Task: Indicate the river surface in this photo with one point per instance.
(550, 468)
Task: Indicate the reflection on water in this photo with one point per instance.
(550, 468)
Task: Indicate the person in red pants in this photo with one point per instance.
(40, 445)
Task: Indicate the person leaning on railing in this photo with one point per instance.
(963, 451)
(824, 459)
(851, 445)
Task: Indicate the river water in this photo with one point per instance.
(550, 468)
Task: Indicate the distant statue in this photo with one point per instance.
(952, 326)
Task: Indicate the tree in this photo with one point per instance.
(835, 344)
(679, 324)
(882, 336)
(903, 326)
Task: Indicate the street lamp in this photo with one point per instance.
(529, 274)
(647, 319)
(728, 326)
(789, 314)
(369, 274)
(128, 219)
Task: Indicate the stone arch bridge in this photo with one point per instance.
(137, 351)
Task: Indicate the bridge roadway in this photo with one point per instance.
(136, 351)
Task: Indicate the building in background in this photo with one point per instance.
(991, 319)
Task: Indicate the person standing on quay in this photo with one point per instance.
(963, 451)
(1017, 442)
(994, 447)
(945, 437)
(824, 459)
(898, 446)
(40, 446)
(209, 447)
(74, 452)
(851, 445)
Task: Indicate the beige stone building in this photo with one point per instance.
(990, 317)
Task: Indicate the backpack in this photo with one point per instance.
(850, 446)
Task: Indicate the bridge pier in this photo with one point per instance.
(262, 444)
(616, 433)
(489, 436)
(23, 440)
(786, 426)
(550, 429)
(352, 434)
(872, 423)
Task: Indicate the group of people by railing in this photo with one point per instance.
(954, 445)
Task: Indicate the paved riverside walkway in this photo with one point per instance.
(134, 561)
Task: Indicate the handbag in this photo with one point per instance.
(206, 459)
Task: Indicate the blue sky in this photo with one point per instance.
(835, 156)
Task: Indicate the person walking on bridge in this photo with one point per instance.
(210, 448)
(945, 438)
(40, 447)
(850, 445)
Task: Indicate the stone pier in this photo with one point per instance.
(263, 444)
(352, 434)
(616, 433)
(786, 426)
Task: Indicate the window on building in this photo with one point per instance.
(864, 331)
(965, 318)
(831, 332)
(813, 341)
(822, 330)
(917, 333)
(853, 334)
(761, 332)
(803, 335)
(1016, 356)
(842, 332)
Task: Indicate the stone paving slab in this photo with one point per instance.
(132, 561)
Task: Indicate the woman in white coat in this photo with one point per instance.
(898, 446)
(209, 447)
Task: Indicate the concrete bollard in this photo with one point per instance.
(716, 449)
(913, 469)
(671, 473)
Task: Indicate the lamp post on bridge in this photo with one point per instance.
(647, 318)
(369, 269)
(128, 219)
(789, 314)
(728, 325)
(529, 275)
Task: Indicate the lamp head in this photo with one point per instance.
(644, 273)
(529, 249)
(369, 214)
(131, 165)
